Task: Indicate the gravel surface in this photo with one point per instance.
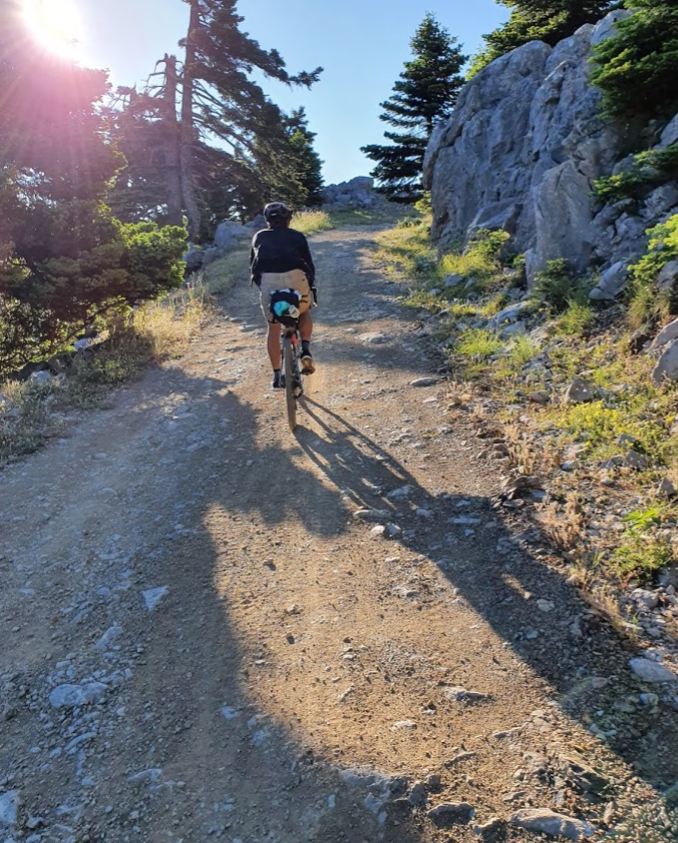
(214, 628)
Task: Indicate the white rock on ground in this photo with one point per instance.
(650, 671)
(153, 596)
(556, 825)
(75, 696)
(9, 808)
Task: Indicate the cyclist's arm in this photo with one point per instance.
(308, 259)
(255, 276)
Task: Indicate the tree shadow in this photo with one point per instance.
(211, 759)
(546, 621)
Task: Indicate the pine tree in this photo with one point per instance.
(219, 98)
(306, 160)
(637, 68)
(540, 20)
(425, 93)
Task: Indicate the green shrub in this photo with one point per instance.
(558, 286)
(522, 351)
(638, 67)
(648, 169)
(477, 344)
(480, 261)
(647, 303)
(577, 320)
(642, 556)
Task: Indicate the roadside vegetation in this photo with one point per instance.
(38, 408)
(605, 467)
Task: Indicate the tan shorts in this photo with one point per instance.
(295, 280)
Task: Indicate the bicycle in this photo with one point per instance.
(291, 354)
(285, 309)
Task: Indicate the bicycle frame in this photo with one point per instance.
(291, 353)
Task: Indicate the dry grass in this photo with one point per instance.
(167, 326)
(309, 222)
(234, 268)
(30, 413)
(565, 527)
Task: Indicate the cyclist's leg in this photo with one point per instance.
(306, 326)
(273, 343)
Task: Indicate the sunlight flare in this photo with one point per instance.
(56, 25)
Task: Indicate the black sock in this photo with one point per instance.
(276, 374)
(306, 347)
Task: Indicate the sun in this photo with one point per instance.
(56, 25)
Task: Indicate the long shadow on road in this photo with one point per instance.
(568, 646)
(248, 771)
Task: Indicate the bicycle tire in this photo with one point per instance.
(290, 382)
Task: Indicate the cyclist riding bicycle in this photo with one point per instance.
(281, 259)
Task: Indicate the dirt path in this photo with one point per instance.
(247, 659)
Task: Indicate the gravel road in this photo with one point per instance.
(212, 628)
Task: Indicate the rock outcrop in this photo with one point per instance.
(521, 153)
(356, 193)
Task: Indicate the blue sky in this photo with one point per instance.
(362, 45)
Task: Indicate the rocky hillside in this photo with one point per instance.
(522, 152)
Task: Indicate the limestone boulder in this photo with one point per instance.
(521, 153)
(229, 234)
(667, 367)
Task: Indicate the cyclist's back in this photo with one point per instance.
(281, 250)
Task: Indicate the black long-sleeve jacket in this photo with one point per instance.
(280, 250)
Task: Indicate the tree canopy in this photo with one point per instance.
(64, 259)
(539, 20)
(425, 93)
(203, 140)
(637, 69)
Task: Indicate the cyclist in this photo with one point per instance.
(281, 259)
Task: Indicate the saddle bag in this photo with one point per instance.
(284, 307)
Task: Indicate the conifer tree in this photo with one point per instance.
(425, 93)
(540, 20)
(219, 98)
(637, 68)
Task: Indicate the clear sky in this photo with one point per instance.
(362, 45)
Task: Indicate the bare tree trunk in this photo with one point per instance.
(188, 133)
(173, 144)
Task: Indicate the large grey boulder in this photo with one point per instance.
(670, 134)
(228, 234)
(480, 157)
(667, 368)
(668, 276)
(357, 193)
(666, 335)
(194, 259)
(612, 282)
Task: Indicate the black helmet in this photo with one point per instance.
(277, 212)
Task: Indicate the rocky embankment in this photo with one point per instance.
(522, 151)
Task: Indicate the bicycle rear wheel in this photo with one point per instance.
(290, 382)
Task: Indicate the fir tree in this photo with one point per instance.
(540, 20)
(306, 160)
(425, 93)
(637, 68)
(219, 98)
